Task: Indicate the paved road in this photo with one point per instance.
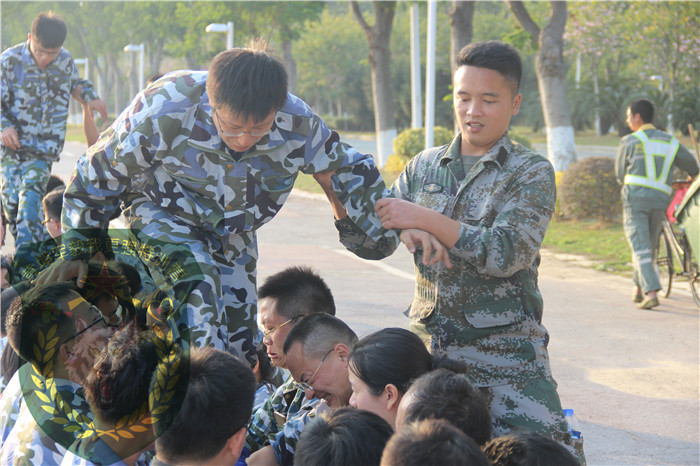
(632, 376)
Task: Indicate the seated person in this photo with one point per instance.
(283, 300)
(207, 421)
(117, 390)
(344, 437)
(58, 333)
(316, 350)
(53, 204)
(445, 394)
(263, 371)
(432, 442)
(383, 365)
(520, 448)
(9, 359)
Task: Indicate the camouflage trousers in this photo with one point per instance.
(530, 401)
(642, 229)
(214, 289)
(23, 186)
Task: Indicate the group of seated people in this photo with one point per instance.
(94, 374)
(97, 377)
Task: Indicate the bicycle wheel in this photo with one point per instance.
(664, 265)
(692, 268)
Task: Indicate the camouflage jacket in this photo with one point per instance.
(44, 427)
(35, 101)
(164, 148)
(488, 303)
(630, 160)
(280, 421)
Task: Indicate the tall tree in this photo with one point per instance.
(551, 80)
(379, 39)
(461, 27)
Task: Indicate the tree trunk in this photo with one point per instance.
(551, 75)
(379, 38)
(118, 82)
(461, 29)
(291, 64)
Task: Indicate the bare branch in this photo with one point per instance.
(524, 19)
(361, 19)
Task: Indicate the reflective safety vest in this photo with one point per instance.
(655, 148)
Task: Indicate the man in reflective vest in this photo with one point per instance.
(644, 167)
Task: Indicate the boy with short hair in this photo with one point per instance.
(38, 79)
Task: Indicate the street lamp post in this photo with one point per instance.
(221, 27)
(140, 48)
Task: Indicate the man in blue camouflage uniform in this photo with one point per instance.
(474, 213)
(644, 166)
(38, 78)
(203, 159)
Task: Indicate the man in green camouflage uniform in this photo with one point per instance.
(474, 213)
(203, 159)
(644, 166)
(38, 78)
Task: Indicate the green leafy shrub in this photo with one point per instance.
(412, 141)
(589, 190)
(516, 136)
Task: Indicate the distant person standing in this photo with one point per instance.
(644, 168)
(38, 78)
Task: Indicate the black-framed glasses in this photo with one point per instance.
(100, 318)
(267, 333)
(255, 134)
(307, 386)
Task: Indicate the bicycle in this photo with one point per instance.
(675, 258)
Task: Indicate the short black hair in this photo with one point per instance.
(49, 29)
(250, 82)
(53, 204)
(216, 402)
(119, 381)
(39, 311)
(55, 182)
(494, 55)
(444, 394)
(317, 333)
(298, 291)
(644, 108)
(344, 437)
(432, 442)
(524, 448)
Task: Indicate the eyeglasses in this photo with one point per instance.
(307, 386)
(267, 333)
(100, 318)
(256, 134)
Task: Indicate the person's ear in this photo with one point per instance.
(516, 103)
(234, 444)
(393, 397)
(343, 352)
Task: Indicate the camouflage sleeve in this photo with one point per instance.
(263, 424)
(360, 244)
(6, 93)
(285, 443)
(119, 160)
(88, 92)
(357, 181)
(512, 242)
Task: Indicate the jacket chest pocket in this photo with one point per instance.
(482, 210)
(434, 201)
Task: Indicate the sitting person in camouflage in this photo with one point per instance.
(285, 298)
(203, 159)
(474, 213)
(59, 334)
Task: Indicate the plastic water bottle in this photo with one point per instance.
(572, 422)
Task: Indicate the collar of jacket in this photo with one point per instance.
(497, 154)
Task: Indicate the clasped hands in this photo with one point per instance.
(405, 215)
